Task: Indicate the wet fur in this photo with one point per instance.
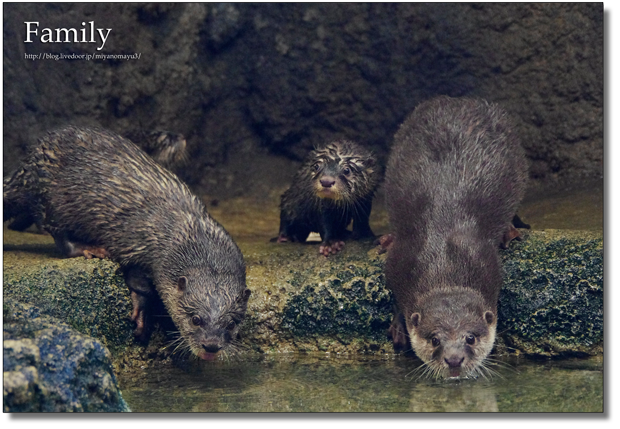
(91, 187)
(166, 148)
(305, 210)
(453, 182)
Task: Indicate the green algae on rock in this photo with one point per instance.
(551, 302)
(49, 367)
(86, 294)
(552, 299)
(303, 301)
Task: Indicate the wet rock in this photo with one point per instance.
(89, 295)
(551, 304)
(552, 300)
(302, 301)
(277, 78)
(49, 367)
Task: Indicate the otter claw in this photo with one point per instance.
(333, 248)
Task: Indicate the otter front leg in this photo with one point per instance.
(290, 231)
(361, 216)
(141, 290)
(512, 233)
(397, 332)
(385, 241)
(333, 231)
(73, 249)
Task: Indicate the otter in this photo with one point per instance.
(168, 149)
(335, 185)
(99, 195)
(453, 181)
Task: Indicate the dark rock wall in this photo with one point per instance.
(245, 81)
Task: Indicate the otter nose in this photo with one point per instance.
(327, 182)
(211, 348)
(454, 361)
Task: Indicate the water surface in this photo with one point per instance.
(324, 383)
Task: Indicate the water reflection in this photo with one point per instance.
(319, 383)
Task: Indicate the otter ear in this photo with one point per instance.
(489, 317)
(182, 284)
(415, 319)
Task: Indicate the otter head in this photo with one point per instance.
(341, 171)
(452, 332)
(207, 310)
(167, 149)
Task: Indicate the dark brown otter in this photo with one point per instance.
(168, 149)
(335, 185)
(454, 179)
(98, 194)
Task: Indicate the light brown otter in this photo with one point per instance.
(98, 194)
(454, 179)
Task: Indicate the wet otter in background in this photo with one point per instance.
(335, 185)
(98, 194)
(168, 149)
(454, 179)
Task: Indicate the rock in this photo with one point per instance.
(88, 295)
(277, 78)
(552, 299)
(551, 303)
(49, 367)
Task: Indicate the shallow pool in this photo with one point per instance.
(323, 383)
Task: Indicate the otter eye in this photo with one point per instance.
(435, 341)
(346, 171)
(196, 320)
(470, 339)
(316, 166)
(231, 325)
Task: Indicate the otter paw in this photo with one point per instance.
(385, 241)
(95, 252)
(511, 234)
(332, 247)
(138, 315)
(282, 238)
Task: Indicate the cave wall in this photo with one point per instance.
(246, 82)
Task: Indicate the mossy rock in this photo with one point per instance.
(551, 303)
(552, 299)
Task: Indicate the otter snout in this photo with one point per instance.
(328, 182)
(454, 365)
(327, 187)
(212, 348)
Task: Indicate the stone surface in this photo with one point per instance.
(552, 299)
(49, 367)
(247, 82)
(301, 301)
(89, 295)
